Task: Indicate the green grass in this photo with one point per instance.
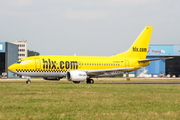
(86, 101)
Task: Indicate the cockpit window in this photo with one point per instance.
(19, 61)
(23, 62)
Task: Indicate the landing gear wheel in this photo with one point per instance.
(90, 81)
(28, 81)
(76, 82)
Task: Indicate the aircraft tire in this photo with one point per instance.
(90, 81)
(28, 82)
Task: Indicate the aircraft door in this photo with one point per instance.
(37, 63)
(126, 63)
(79, 64)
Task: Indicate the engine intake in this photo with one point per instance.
(76, 76)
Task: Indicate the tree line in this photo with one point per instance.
(33, 53)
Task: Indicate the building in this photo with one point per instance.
(22, 49)
(8, 56)
(170, 67)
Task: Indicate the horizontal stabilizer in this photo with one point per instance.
(149, 60)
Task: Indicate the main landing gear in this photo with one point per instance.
(90, 81)
(28, 81)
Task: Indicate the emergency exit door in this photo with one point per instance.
(37, 63)
(126, 63)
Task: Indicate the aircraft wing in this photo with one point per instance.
(149, 60)
(102, 71)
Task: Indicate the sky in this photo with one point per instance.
(87, 27)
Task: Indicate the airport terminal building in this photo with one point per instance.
(22, 49)
(168, 68)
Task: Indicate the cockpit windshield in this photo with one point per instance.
(22, 62)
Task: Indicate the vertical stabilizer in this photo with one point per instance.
(140, 46)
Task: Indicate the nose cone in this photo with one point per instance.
(11, 67)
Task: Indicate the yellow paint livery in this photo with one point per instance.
(81, 68)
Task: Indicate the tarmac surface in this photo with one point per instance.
(140, 83)
(153, 81)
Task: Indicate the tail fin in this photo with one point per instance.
(140, 46)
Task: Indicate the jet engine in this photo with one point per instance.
(76, 76)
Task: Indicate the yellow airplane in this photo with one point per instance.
(84, 68)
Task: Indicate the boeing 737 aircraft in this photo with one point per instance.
(84, 68)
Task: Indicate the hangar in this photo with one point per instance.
(8, 56)
(168, 68)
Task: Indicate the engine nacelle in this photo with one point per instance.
(76, 76)
(51, 78)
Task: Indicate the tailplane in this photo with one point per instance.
(140, 46)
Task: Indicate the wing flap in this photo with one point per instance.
(102, 71)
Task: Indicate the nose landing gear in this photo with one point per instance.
(28, 81)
